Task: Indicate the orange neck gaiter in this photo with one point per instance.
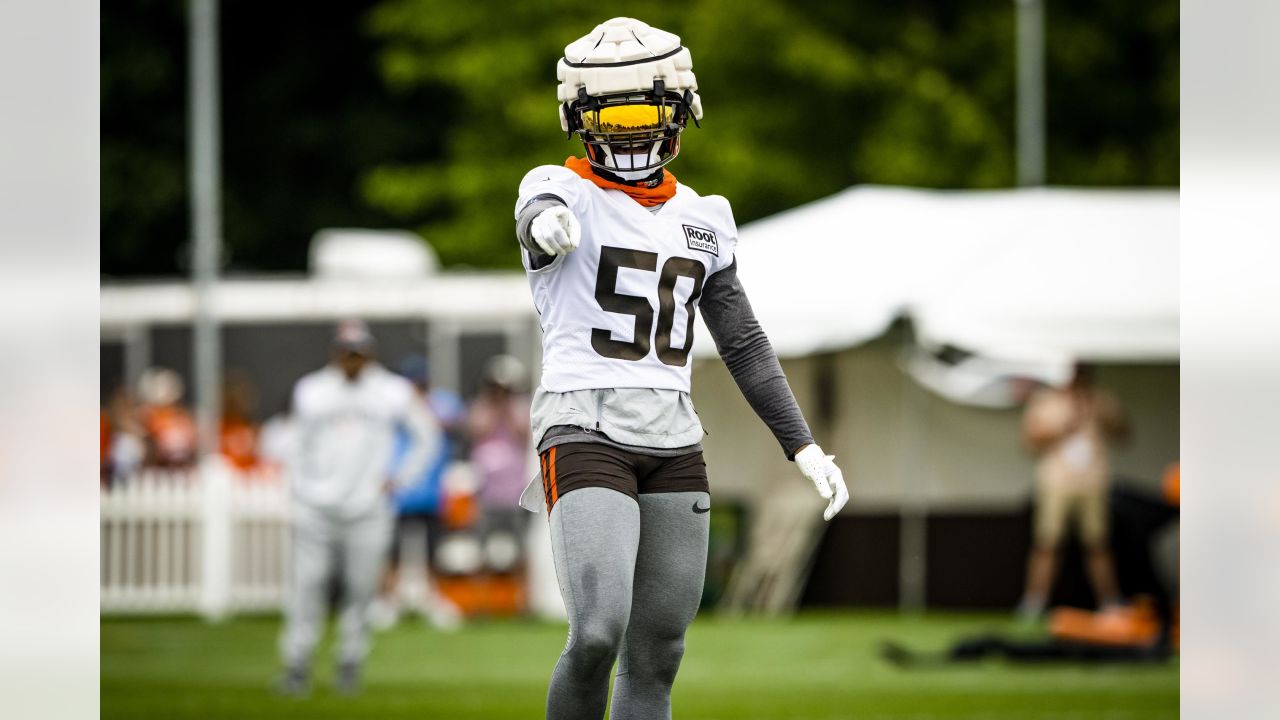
(647, 196)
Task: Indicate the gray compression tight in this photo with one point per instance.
(631, 577)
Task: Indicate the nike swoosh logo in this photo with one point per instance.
(698, 509)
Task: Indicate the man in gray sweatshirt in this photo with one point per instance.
(341, 478)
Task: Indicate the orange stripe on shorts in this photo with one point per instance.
(555, 493)
(546, 484)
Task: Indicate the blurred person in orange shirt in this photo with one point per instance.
(238, 431)
(104, 445)
(1070, 430)
(122, 446)
(170, 429)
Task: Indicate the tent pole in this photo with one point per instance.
(913, 505)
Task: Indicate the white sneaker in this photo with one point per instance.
(383, 615)
(443, 614)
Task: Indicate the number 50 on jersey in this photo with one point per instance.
(612, 258)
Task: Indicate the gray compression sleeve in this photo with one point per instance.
(750, 358)
(531, 210)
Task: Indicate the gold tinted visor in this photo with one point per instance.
(627, 118)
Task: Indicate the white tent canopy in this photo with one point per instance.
(495, 296)
(1045, 275)
(1023, 278)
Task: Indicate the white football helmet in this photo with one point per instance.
(627, 90)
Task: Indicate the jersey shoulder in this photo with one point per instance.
(555, 180)
(709, 213)
(713, 208)
(549, 173)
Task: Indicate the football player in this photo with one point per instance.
(620, 257)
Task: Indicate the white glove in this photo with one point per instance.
(817, 466)
(556, 231)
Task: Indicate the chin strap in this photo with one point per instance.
(659, 189)
(652, 179)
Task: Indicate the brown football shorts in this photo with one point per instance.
(570, 466)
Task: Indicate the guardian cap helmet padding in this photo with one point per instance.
(627, 90)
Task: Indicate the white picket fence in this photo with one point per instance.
(209, 540)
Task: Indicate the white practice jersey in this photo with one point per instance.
(346, 437)
(619, 311)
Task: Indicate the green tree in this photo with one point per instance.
(304, 113)
(802, 100)
(426, 113)
(143, 170)
(798, 105)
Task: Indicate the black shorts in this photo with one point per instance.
(567, 467)
(415, 526)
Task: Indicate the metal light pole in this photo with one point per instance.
(206, 239)
(206, 231)
(1031, 122)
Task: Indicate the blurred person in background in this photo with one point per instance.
(169, 427)
(1070, 430)
(347, 415)
(123, 439)
(238, 432)
(418, 509)
(498, 428)
(444, 404)
(104, 447)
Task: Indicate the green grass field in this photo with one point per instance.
(808, 668)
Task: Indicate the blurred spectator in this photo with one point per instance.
(1070, 429)
(446, 405)
(104, 447)
(123, 444)
(498, 425)
(418, 509)
(347, 414)
(170, 430)
(239, 434)
(1171, 484)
